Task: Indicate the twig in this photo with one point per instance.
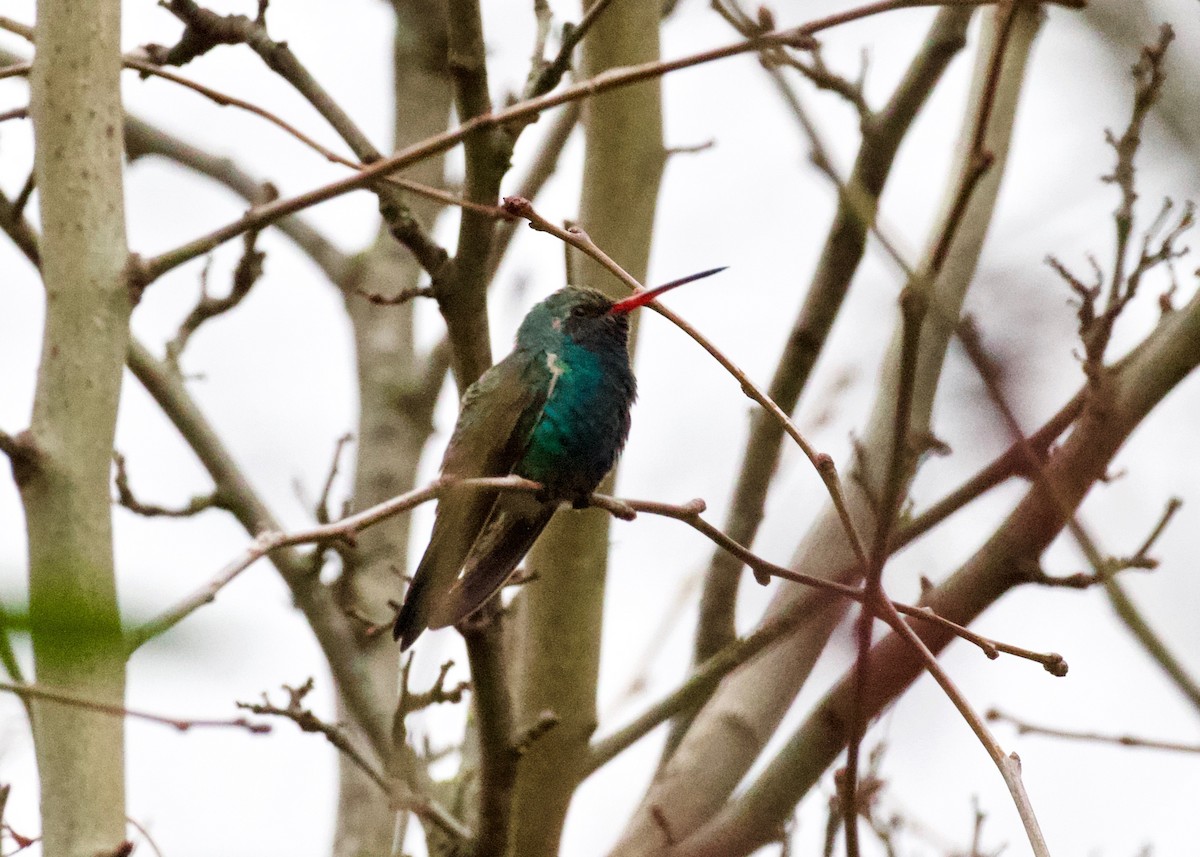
(248, 271)
(15, 27)
(20, 230)
(1136, 623)
(332, 629)
(689, 513)
(1035, 522)
(335, 735)
(17, 70)
(146, 68)
(795, 37)
(142, 139)
(542, 166)
(399, 298)
(205, 30)
(1095, 330)
(697, 687)
(840, 258)
(1148, 77)
(915, 299)
(544, 78)
(33, 691)
(347, 529)
(437, 694)
(272, 540)
(824, 465)
(321, 510)
(309, 722)
(8, 656)
(213, 500)
(145, 835)
(1026, 728)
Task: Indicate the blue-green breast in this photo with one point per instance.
(583, 351)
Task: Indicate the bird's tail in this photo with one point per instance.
(460, 518)
(413, 617)
(507, 536)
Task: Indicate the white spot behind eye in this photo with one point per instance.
(556, 371)
(556, 323)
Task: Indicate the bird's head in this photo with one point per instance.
(587, 316)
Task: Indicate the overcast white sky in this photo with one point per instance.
(277, 383)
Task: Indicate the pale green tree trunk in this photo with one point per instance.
(76, 111)
(397, 391)
(559, 646)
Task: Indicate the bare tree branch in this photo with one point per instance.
(33, 691)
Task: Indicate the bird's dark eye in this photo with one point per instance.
(579, 312)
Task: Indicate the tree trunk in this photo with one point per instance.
(559, 625)
(77, 645)
(396, 402)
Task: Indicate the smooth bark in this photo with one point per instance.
(76, 626)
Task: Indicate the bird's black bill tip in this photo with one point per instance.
(642, 298)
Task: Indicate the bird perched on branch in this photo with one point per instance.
(555, 411)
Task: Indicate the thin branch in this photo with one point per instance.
(24, 195)
(544, 78)
(1008, 765)
(309, 722)
(15, 27)
(840, 258)
(142, 138)
(145, 835)
(217, 97)
(248, 271)
(697, 687)
(205, 30)
(795, 37)
(689, 513)
(1096, 330)
(125, 497)
(17, 70)
(321, 510)
(824, 465)
(1148, 77)
(1026, 728)
(336, 735)
(462, 292)
(19, 229)
(734, 824)
(8, 656)
(399, 298)
(270, 541)
(915, 299)
(437, 694)
(542, 166)
(346, 530)
(33, 691)
(1137, 624)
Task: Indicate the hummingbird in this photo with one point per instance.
(554, 411)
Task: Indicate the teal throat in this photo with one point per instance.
(583, 425)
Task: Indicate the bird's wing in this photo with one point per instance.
(511, 528)
(497, 415)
